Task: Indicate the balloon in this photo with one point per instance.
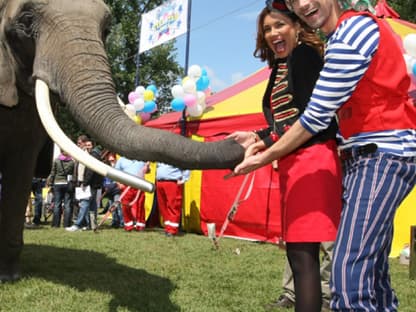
(410, 61)
(190, 99)
(409, 44)
(204, 72)
(189, 86)
(177, 91)
(140, 91)
(177, 104)
(201, 97)
(137, 119)
(139, 104)
(202, 83)
(152, 88)
(195, 111)
(194, 72)
(148, 95)
(133, 96)
(149, 106)
(145, 116)
(185, 79)
(414, 69)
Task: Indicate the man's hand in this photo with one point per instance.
(244, 138)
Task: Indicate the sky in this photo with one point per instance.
(222, 40)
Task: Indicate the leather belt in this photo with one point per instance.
(349, 153)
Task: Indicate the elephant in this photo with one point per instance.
(61, 44)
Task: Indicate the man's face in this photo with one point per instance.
(316, 13)
(88, 146)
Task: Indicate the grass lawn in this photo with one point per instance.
(117, 271)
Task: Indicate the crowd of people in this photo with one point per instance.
(78, 192)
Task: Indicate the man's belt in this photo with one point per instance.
(349, 153)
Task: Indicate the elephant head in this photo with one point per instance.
(59, 43)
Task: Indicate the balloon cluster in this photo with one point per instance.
(142, 103)
(409, 45)
(192, 92)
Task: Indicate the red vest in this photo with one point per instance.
(380, 100)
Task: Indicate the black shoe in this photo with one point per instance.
(282, 302)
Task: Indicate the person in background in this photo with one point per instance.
(368, 89)
(133, 201)
(287, 298)
(112, 192)
(82, 140)
(61, 174)
(37, 186)
(88, 179)
(169, 193)
(310, 176)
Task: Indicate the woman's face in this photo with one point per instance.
(280, 33)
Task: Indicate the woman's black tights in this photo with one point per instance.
(304, 261)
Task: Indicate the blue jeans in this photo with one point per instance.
(87, 206)
(37, 192)
(61, 194)
(118, 220)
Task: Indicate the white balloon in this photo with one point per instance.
(177, 91)
(201, 97)
(194, 72)
(409, 44)
(195, 111)
(138, 104)
(189, 86)
(140, 91)
(410, 63)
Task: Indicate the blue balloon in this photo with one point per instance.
(204, 72)
(177, 104)
(152, 88)
(202, 83)
(414, 69)
(149, 106)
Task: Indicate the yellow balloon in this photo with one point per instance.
(185, 79)
(138, 119)
(148, 95)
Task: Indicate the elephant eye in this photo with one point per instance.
(26, 19)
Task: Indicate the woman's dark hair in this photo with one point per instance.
(306, 35)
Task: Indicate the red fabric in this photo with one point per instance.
(384, 10)
(136, 212)
(169, 201)
(388, 82)
(311, 190)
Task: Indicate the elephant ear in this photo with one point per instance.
(8, 90)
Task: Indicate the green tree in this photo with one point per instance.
(157, 66)
(405, 8)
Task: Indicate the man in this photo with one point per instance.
(169, 192)
(92, 181)
(367, 88)
(133, 200)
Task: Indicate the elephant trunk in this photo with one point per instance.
(84, 83)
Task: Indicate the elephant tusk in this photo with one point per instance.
(58, 136)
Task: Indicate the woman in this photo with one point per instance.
(60, 179)
(310, 177)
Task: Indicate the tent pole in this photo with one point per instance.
(188, 36)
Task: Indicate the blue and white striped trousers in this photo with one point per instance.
(374, 187)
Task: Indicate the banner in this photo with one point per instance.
(164, 23)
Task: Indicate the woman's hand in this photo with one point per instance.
(249, 164)
(244, 138)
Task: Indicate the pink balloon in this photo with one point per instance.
(145, 116)
(190, 100)
(132, 97)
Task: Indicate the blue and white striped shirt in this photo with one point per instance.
(349, 52)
